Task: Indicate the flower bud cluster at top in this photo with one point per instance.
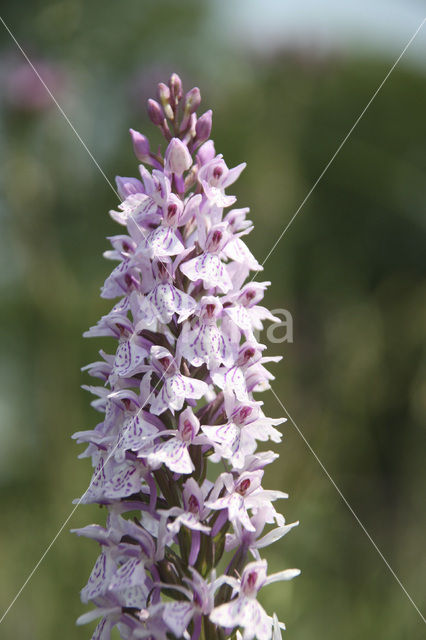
(180, 548)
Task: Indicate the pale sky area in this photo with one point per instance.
(384, 26)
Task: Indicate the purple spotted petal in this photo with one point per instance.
(174, 454)
(177, 615)
(129, 574)
(99, 578)
(129, 359)
(210, 269)
(168, 300)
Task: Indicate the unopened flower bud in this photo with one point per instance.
(155, 112)
(206, 153)
(140, 145)
(175, 84)
(163, 93)
(192, 100)
(178, 158)
(204, 126)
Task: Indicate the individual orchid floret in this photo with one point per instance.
(192, 516)
(235, 377)
(200, 602)
(242, 493)
(245, 611)
(163, 241)
(176, 387)
(193, 511)
(176, 460)
(173, 452)
(251, 540)
(246, 316)
(237, 438)
(208, 267)
(215, 177)
(165, 300)
(203, 341)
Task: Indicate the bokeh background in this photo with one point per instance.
(286, 81)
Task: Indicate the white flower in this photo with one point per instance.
(245, 611)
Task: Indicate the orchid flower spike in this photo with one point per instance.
(176, 397)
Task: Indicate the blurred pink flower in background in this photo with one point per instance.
(23, 89)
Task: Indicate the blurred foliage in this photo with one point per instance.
(350, 269)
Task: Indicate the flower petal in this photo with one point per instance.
(177, 616)
(174, 453)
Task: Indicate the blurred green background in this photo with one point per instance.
(351, 270)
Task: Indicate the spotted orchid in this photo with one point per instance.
(175, 455)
